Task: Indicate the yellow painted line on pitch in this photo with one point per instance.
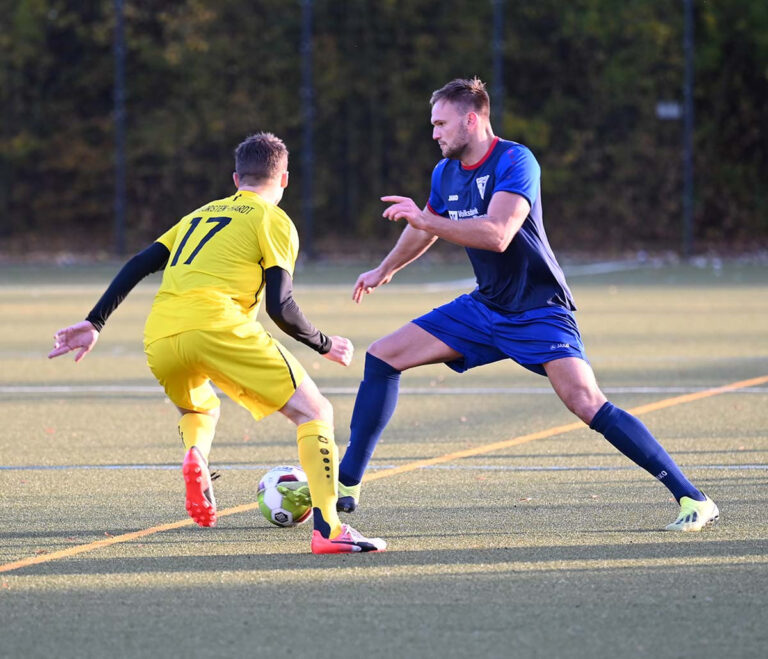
(73, 551)
(559, 430)
(411, 466)
(113, 540)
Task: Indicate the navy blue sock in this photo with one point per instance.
(375, 403)
(632, 438)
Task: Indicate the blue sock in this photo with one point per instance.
(632, 438)
(375, 403)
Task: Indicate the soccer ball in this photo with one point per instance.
(277, 509)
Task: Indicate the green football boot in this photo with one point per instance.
(298, 495)
(695, 515)
(349, 497)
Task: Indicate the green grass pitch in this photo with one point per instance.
(543, 548)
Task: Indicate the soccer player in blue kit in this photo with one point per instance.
(486, 197)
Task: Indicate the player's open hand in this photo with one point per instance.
(403, 208)
(81, 336)
(368, 282)
(341, 351)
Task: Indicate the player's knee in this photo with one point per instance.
(382, 349)
(392, 353)
(215, 413)
(325, 410)
(584, 403)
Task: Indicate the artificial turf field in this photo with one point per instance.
(513, 530)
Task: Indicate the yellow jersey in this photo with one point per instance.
(214, 278)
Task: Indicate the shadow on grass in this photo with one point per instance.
(525, 556)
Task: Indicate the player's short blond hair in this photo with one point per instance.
(468, 94)
(261, 157)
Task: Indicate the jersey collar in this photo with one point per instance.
(484, 158)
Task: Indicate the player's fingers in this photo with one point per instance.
(83, 352)
(362, 289)
(345, 358)
(390, 199)
(58, 350)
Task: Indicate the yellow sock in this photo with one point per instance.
(197, 430)
(319, 459)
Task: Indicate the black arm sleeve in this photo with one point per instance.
(150, 260)
(285, 313)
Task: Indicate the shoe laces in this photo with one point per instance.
(351, 533)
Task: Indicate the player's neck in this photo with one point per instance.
(267, 193)
(477, 150)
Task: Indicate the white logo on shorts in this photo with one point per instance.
(555, 346)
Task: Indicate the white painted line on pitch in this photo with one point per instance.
(47, 389)
(587, 269)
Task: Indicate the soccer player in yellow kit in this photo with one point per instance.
(219, 262)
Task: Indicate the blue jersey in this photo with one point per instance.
(526, 275)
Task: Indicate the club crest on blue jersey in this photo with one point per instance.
(481, 182)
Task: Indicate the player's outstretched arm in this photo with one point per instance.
(410, 246)
(286, 314)
(82, 337)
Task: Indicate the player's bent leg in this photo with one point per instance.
(411, 346)
(190, 390)
(377, 396)
(374, 406)
(308, 404)
(196, 430)
(318, 456)
(574, 382)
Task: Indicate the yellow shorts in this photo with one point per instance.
(246, 363)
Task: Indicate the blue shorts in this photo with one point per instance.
(483, 336)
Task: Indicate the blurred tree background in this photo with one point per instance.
(581, 81)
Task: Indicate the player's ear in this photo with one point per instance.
(471, 119)
(236, 179)
(284, 180)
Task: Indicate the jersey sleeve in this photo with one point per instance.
(150, 260)
(518, 171)
(169, 237)
(279, 241)
(436, 203)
